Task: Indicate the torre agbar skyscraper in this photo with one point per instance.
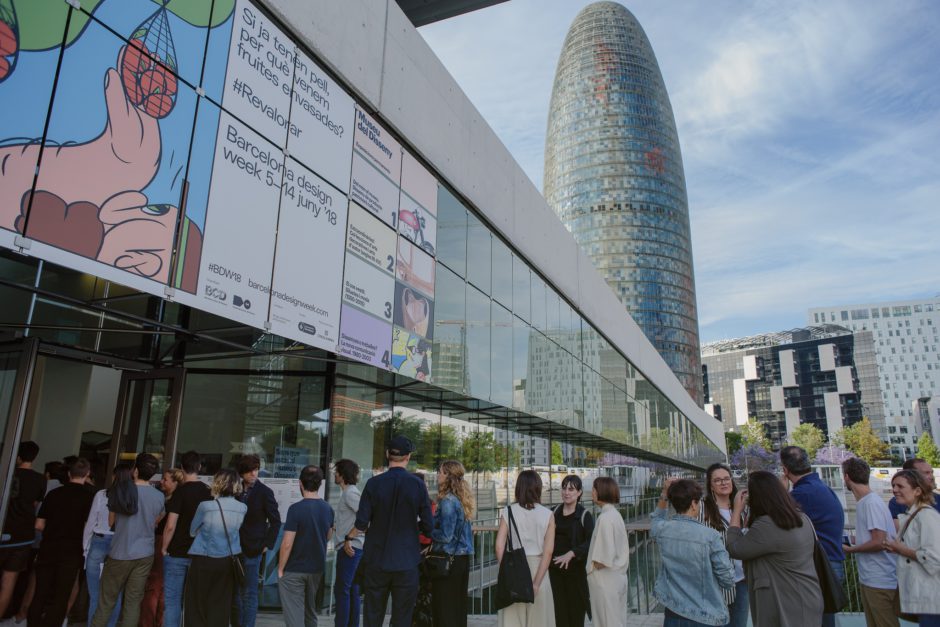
(613, 174)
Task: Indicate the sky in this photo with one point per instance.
(810, 135)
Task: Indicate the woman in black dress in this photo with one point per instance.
(573, 528)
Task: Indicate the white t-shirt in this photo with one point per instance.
(531, 524)
(878, 569)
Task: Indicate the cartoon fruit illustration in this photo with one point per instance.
(148, 66)
(9, 42)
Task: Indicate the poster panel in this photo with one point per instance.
(305, 290)
(411, 355)
(418, 183)
(375, 192)
(417, 224)
(414, 311)
(322, 114)
(237, 252)
(378, 146)
(414, 267)
(370, 240)
(259, 73)
(364, 338)
(368, 288)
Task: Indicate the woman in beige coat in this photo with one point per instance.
(608, 559)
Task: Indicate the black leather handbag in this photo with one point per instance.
(438, 564)
(514, 581)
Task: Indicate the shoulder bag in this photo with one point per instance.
(238, 568)
(438, 564)
(833, 595)
(514, 581)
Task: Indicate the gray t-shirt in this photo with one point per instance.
(134, 535)
(878, 568)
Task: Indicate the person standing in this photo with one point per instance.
(132, 547)
(302, 559)
(258, 535)
(453, 536)
(348, 552)
(394, 507)
(61, 520)
(210, 580)
(918, 548)
(608, 558)
(926, 471)
(715, 512)
(574, 526)
(26, 491)
(695, 563)
(152, 607)
(97, 538)
(534, 529)
(877, 570)
(176, 541)
(821, 505)
(777, 550)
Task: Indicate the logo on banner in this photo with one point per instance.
(216, 293)
(238, 301)
(307, 328)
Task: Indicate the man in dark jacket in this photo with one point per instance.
(258, 534)
(394, 507)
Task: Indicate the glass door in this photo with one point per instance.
(147, 417)
(17, 363)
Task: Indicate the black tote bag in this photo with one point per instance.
(514, 581)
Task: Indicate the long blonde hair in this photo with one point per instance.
(454, 483)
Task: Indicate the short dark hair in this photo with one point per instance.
(767, 497)
(28, 451)
(795, 460)
(607, 490)
(683, 493)
(910, 463)
(248, 463)
(348, 470)
(53, 469)
(857, 469)
(575, 482)
(190, 462)
(528, 489)
(147, 466)
(80, 468)
(311, 477)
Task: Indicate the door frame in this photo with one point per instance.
(177, 377)
(28, 349)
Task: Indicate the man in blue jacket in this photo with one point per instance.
(258, 534)
(820, 503)
(394, 507)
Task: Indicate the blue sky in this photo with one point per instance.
(810, 134)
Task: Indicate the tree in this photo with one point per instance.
(479, 452)
(558, 457)
(733, 442)
(754, 434)
(927, 450)
(862, 440)
(832, 455)
(808, 437)
(754, 457)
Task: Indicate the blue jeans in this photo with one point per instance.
(345, 590)
(174, 584)
(97, 553)
(929, 620)
(739, 610)
(838, 568)
(246, 597)
(674, 620)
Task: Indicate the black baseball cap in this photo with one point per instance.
(400, 445)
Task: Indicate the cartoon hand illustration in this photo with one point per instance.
(74, 226)
(130, 223)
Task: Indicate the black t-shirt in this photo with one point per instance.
(26, 489)
(65, 511)
(183, 503)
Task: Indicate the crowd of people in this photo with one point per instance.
(168, 556)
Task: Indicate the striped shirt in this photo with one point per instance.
(729, 593)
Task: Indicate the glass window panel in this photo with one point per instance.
(501, 356)
(479, 254)
(451, 232)
(538, 302)
(450, 331)
(502, 273)
(552, 305)
(521, 288)
(520, 361)
(478, 344)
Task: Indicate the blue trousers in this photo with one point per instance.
(245, 603)
(739, 610)
(174, 585)
(674, 620)
(97, 554)
(345, 590)
(378, 584)
(838, 568)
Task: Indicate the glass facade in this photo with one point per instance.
(613, 174)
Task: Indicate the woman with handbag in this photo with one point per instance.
(918, 548)
(608, 558)
(526, 527)
(573, 528)
(211, 580)
(777, 550)
(448, 563)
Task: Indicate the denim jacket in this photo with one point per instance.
(208, 531)
(695, 567)
(447, 521)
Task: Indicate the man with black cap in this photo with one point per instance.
(394, 507)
